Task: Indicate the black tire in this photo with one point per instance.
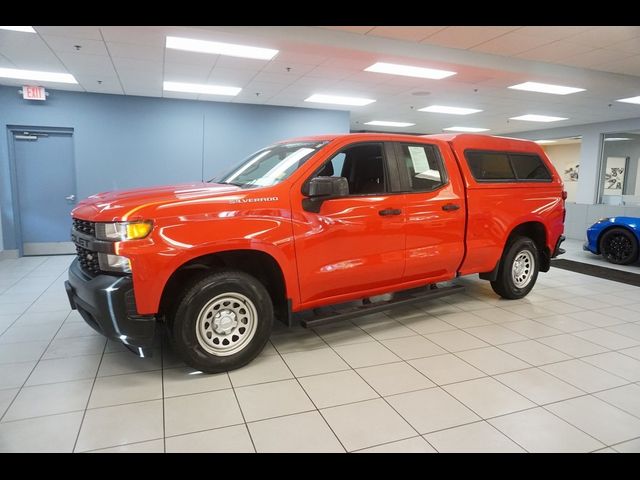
(619, 246)
(524, 249)
(190, 343)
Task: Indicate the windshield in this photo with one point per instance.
(271, 165)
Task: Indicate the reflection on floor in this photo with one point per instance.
(556, 371)
(574, 251)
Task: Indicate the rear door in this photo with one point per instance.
(434, 210)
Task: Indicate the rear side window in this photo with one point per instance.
(424, 166)
(506, 167)
(529, 167)
(490, 166)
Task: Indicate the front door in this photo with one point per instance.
(354, 243)
(46, 185)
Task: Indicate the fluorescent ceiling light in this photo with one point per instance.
(538, 118)
(452, 110)
(409, 71)
(616, 139)
(546, 88)
(37, 75)
(219, 48)
(383, 123)
(630, 100)
(466, 129)
(19, 29)
(336, 100)
(544, 142)
(201, 88)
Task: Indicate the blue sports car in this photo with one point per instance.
(616, 238)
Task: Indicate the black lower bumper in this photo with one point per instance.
(558, 251)
(107, 304)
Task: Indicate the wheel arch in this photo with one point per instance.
(257, 263)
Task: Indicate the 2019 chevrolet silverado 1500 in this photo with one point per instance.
(308, 223)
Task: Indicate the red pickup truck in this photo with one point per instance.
(308, 223)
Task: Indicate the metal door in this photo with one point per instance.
(46, 188)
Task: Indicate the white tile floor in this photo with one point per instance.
(557, 371)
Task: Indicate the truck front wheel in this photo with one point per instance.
(222, 321)
(518, 269)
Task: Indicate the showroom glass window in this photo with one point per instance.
(619, 179)
(271, 165)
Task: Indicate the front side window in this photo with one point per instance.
(424, 166)
(271, 165)
(362, 165)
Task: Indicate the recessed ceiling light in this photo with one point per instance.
(384, 123)
(220, 48)
(544, 142)
(452, 110)
(466, 129)
(616, 139)
(538, 118)
(37, 75)
(630, 100)
(546, 88)
(19, 29)
(337, 100)
(200, 88)
(409, 71)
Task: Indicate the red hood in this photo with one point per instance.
(116, 205)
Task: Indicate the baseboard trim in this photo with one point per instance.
(8, 254)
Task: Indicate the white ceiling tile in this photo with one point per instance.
(301, 57)
(89, 33)
(233, 75)
(605, 36)
(355, 29)
(153, 53)
(334, 73)
(595, 57)
(552, 32)
(630, 46)
(61, 44)
(175, 71)
(464, 37)
(511, 44)
(282, 78)
(133, 86)
(555, 52)
(79, 63)
(143, 35)
(245, 63)
(146, 66)
(413, 34)
(182, 95)
(281, 67)
(110, 83)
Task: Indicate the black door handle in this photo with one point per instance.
(390, 211)
(450, 207)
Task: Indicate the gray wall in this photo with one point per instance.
(125, 141)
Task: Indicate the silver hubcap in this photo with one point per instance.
(226, 324)
(522, 269)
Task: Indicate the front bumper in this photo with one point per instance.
(107, 304)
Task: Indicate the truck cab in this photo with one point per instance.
(308, 223)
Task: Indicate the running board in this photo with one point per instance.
(400, 298)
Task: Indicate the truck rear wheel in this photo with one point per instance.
(518, 269)
(222, 322)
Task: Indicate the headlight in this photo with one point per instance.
(119, 231)
(114, 263)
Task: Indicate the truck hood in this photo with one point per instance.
(135, 203)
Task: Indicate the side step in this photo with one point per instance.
(400, 298)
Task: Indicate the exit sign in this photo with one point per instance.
(33, 93)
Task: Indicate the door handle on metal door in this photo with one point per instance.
(450, 206)
(70, 198)
(390, 211)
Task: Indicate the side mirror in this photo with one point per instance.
(324, 188)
